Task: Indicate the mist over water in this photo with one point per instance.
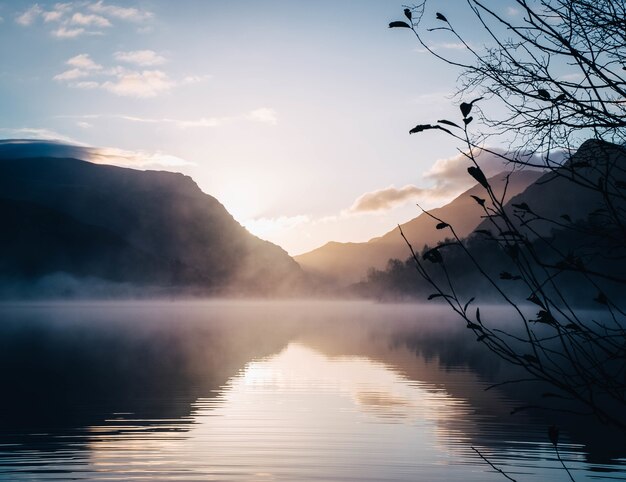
(256, 390)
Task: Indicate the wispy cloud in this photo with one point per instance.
(29, 16)
(89, 20)
(74, 19)
(84, 62)
(43, 142)
(144, 58)
(147, 83)
(118, 79)
(124, 13)
(447, 178)
(385, 199)
(83, 66)
(202, 122)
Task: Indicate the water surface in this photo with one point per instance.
(260, 391)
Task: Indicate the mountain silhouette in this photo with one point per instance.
(152, 228)
(348, 263)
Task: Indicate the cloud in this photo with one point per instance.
(385, 199)
(87, 85)
(147, 83)
(195, 79)
(123, 13)
(83, 61)
(71, 74)
(83, 66)
(447, 178)
(89, 20)
(140, 57)
(84, 125)
(264, 114)
(77, 18)
(36, 133)
(48, 144)
(63, 32)
(29, 16)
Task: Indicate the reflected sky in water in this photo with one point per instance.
(266, 391)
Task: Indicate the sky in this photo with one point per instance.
(294, 114)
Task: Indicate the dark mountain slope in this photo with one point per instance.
(349, 262)
(129, 225)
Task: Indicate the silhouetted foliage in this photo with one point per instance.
(550, 78)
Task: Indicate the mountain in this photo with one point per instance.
(349, 262)
(147, 228)
(569, 225)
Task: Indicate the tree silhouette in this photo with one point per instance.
(551, 83)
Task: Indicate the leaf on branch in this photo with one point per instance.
(466, 107)
(508, 276)
(467, 120)
(572, 326)
(479, 200)
(481, 337)
(512, 250)
(523, 207)
(407, 13)
(566, 217)
(433, 255)
(601, 298)
(434, 295)
(441, 17)
(553, 434)
(530, 358)
(422, 127)
(474, 326)
(450, 123)
(399, 24)
(545, 317)
(535, 299)
(478, 315)
(468, 303)
(442, 225)
(544, 94)
(560, 98)
(477, 173)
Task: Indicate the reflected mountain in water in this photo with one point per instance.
(228, 391)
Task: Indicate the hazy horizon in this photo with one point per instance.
(265, 104)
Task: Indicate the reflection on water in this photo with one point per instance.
(261, 391)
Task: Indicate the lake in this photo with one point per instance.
(264, 391)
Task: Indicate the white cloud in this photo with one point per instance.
(447, 178)
(123, 13)
(37, 133)
(83, 61)
(63, 32)
(143, 58)
(385, 199)
(263, 114)
(71, 74)
(195, 79)
(29, 16)
(84, 125)
(83, 66)
(52, 16)
(90, 20)
(147, 83)
(86, 85)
